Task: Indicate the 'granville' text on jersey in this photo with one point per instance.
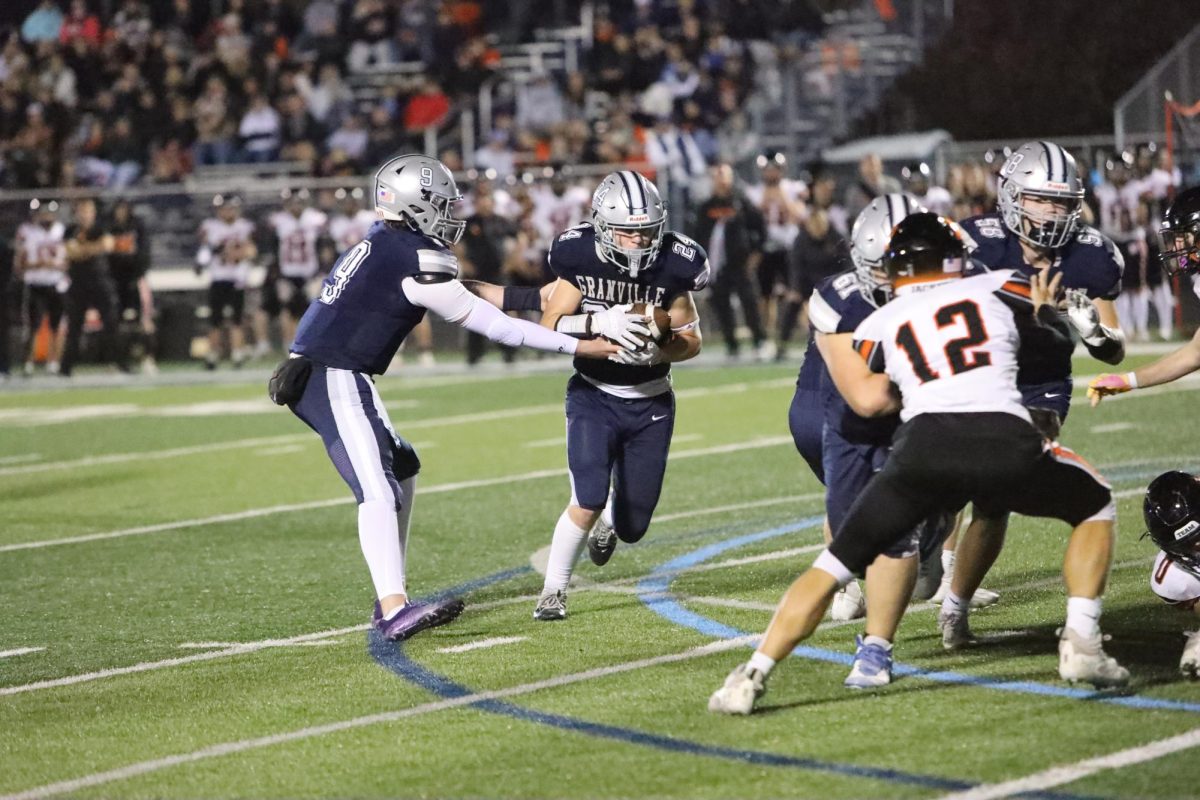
(618, 292)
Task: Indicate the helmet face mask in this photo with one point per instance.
(869, 238)
(1179, 236)
(1041, 195)
(630, 219)
(1172, 514)
(420, 192)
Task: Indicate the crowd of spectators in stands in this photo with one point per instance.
(153, 88)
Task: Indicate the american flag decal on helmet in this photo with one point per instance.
(385, 196)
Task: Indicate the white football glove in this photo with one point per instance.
(1083, 314)
(649, 353)
(620, 326)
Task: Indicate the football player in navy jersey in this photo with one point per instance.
(620, 412)
(845, 450)
(1036, 231)
(373, 297)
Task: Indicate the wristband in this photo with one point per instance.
(1131, 379)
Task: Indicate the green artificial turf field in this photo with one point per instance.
(185, 607)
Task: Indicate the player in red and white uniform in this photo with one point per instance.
(350, 224)
(944, 353)
(781, 201)
(226, 252)
(298, 228)
(556, 207)
(41, 262)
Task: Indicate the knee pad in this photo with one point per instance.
(405, 463)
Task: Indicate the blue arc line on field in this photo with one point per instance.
(393, 658)
(655, 592)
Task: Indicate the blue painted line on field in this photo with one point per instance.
(654, 591)
(394, 659)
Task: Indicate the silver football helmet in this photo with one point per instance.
(628, 206)
(1041, 171)
(420, 191)
(870, 235)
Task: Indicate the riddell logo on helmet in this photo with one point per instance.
(1062, 187)
(1191, 527)
(638, 218)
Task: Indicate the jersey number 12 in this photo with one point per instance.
(961, 353)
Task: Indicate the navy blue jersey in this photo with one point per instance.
(680, 267)
(363, 315)
(1089, 262)
(838, 306)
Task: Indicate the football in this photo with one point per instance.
(660, 322)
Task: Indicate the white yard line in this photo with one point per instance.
(1113, 427)
(1069, 773)
(228, 645)
(21, 459)
(147, 666)
(20, 651)
(281, 451)
(771, 501)
(253, 513)
(482, 644)
(242, 745)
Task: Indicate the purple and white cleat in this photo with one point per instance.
(416, 617)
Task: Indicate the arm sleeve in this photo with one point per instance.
(1045, 337)
(451, 300)
(522, 298)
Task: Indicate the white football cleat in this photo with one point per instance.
(1083, 659)
(956, 629)
(551, 606)
(743, 686)
(848, 603)
(1189, 665)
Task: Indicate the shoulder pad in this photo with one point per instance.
(691, 256)
(437, 262)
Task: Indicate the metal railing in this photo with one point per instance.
(1141, 108)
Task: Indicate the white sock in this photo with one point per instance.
(408, 493)
(565, 548)
(379, 537)
(762, 663)
(1083, 615)
(954, 603)
(607, 514)
(878, 641)
(947, 564)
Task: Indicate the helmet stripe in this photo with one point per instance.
(628, 189)
(1054, 162)
(639, 182)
